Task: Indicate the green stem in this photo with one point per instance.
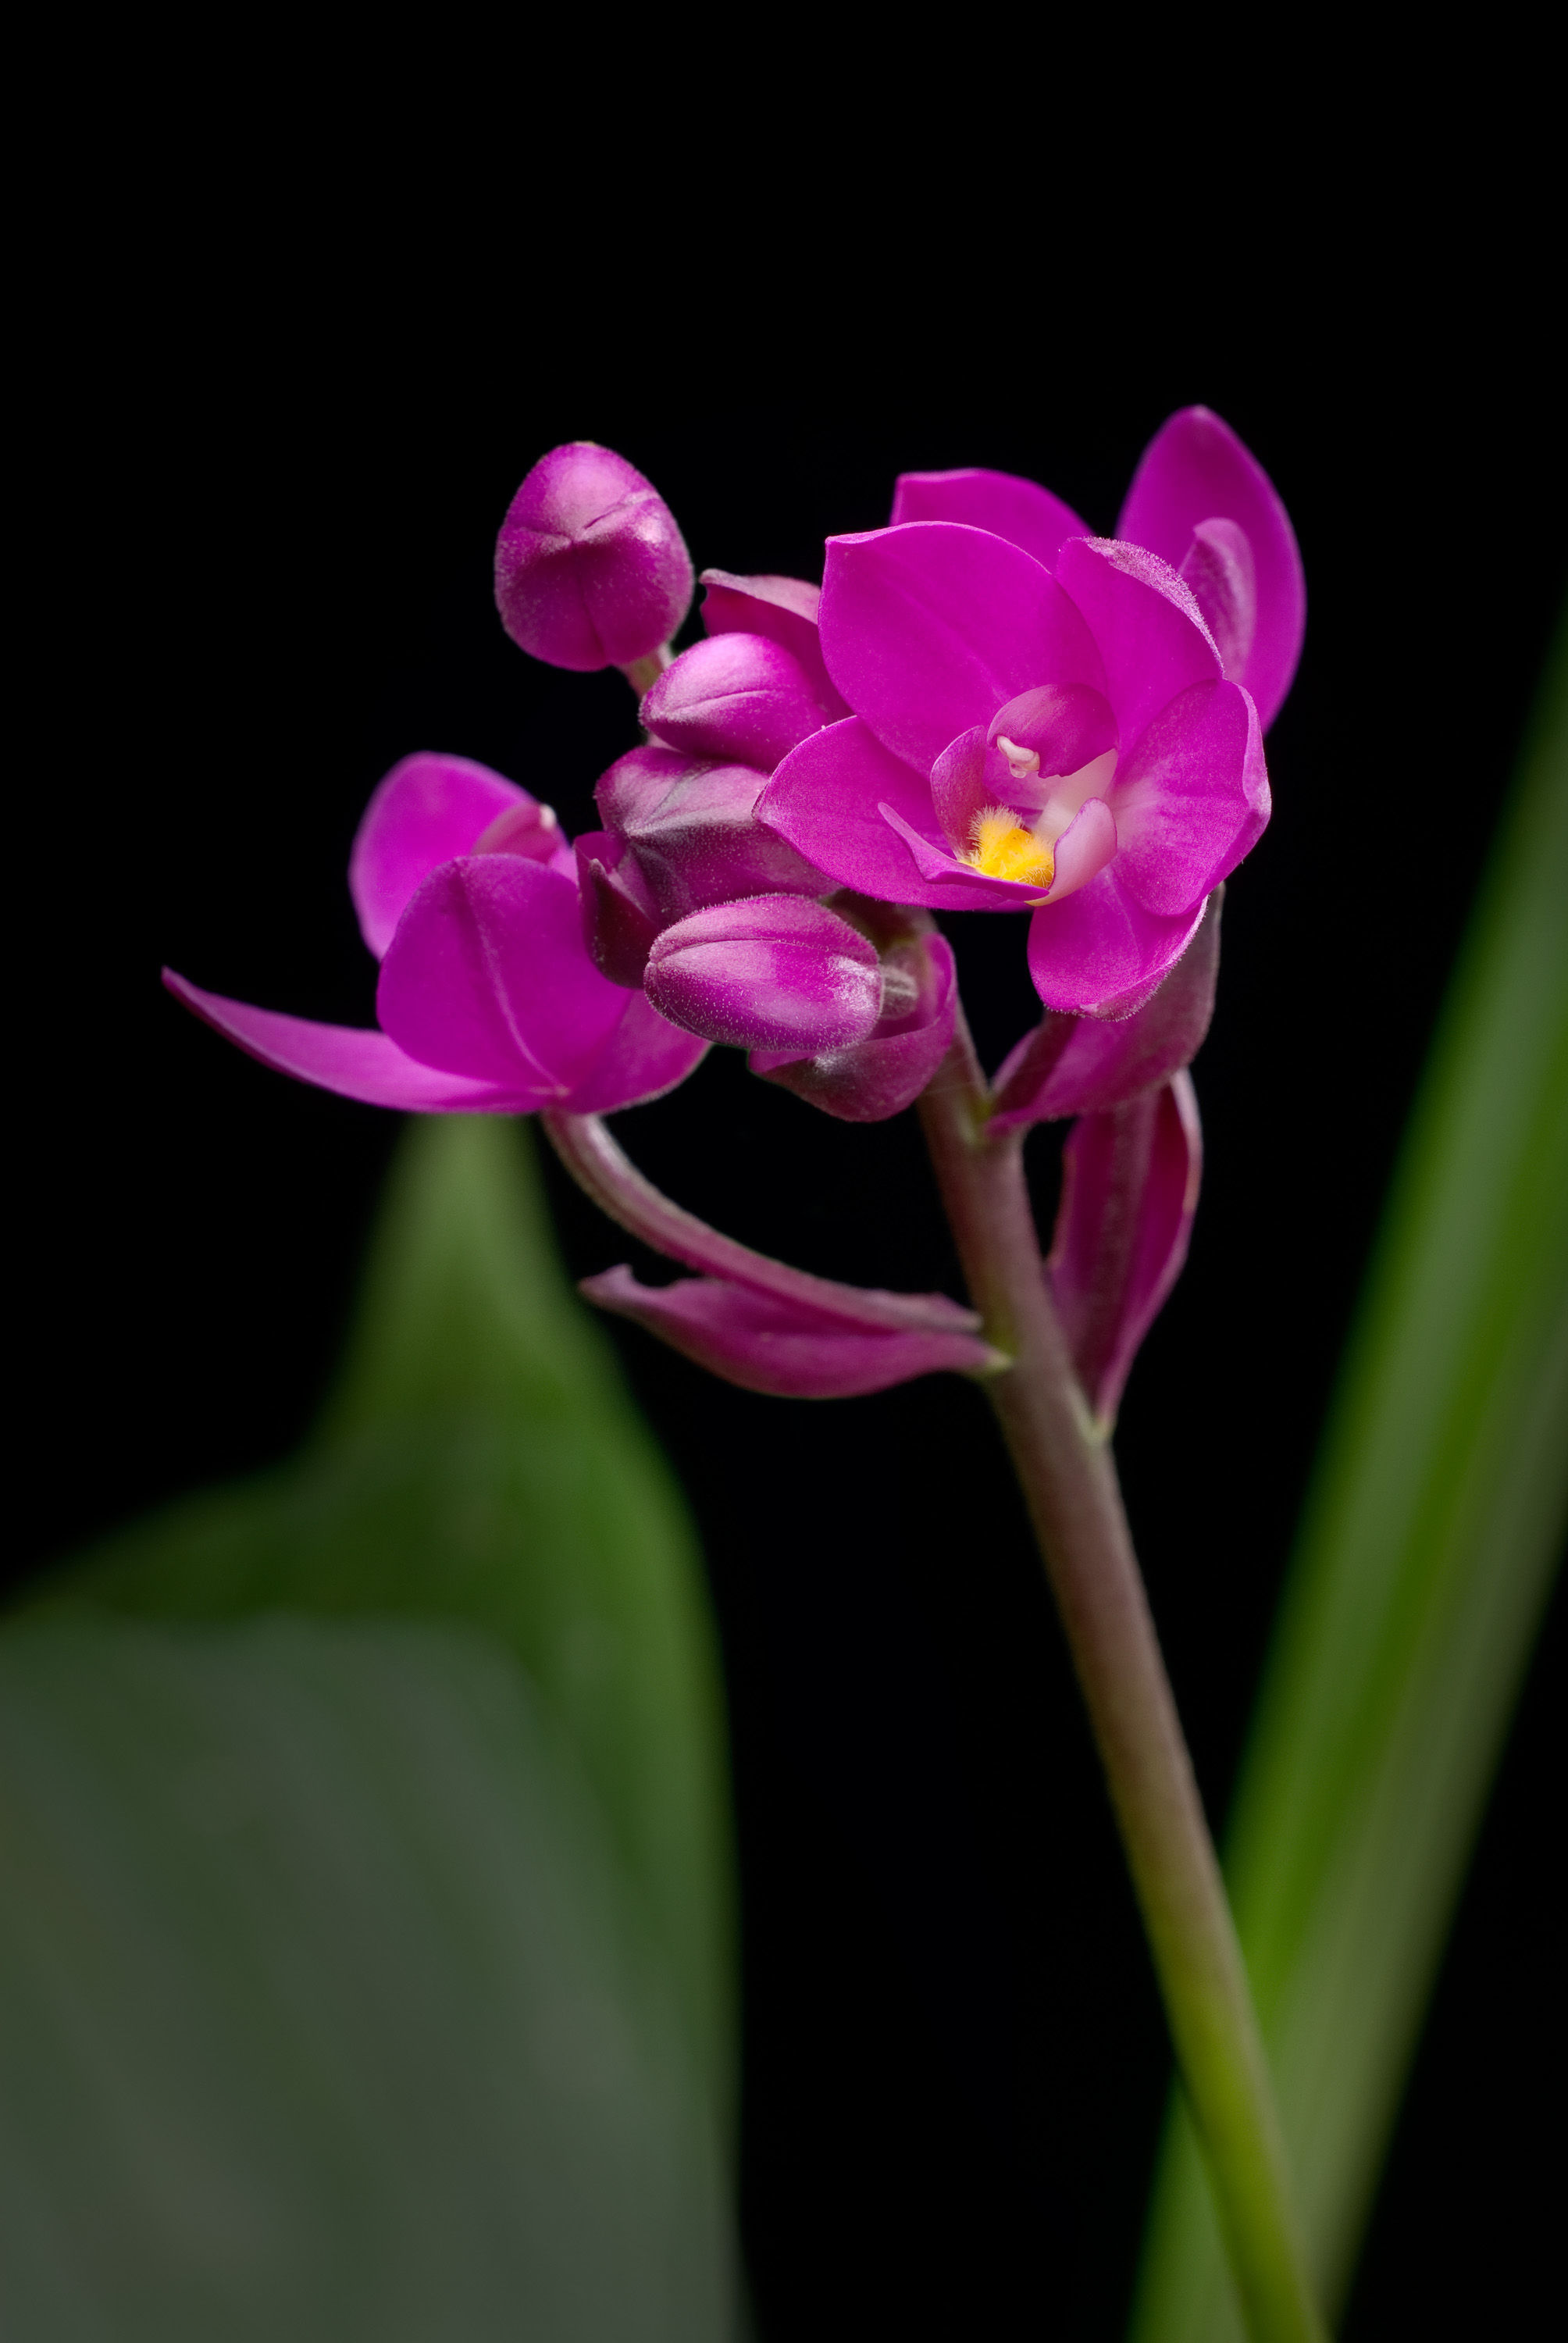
(1068, 1480)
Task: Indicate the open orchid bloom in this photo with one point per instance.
(1063, 744)
(489, 1002)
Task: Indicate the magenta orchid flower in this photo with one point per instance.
(489, 1002)
(1070, 740)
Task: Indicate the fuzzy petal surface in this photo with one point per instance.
(693, 829)
(644, 1057)
(927, 629)
(1100, 953)
(1148, 626)
(1020, 510)
(355, 1061)
(1130, 1182)
(878, 1077)
(1196, 469)
(619, 916)
(1085, 1065)
(591, 569)
(776, 972)
(767, 1345)
(1191, 799)
(487, 976)
(428, 810)
(737, 696)
(825, 798)
(938, 878)
(784, 610)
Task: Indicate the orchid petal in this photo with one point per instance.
(1195, 470)
(428, 810)
(737, 696)
(1020, 510)
(928, 628)
(775, 972)
(1220, 568)
(1084, 1065)
(1191, 799)
(355, 1061)
(644, 1057)
(942, 880)
(1100, 953)
(783, 1347)
(824, 799)
(1083, 850)
(1149, 630)
(887, 1071)
(1129, 1192)
(782, 609)
(487, 976)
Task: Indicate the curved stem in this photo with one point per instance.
(1068, 1480)
(601, 1167)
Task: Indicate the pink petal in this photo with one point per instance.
(741, 697)
(939, 880)
(1100, 953)
(487, 976)
(644, 1056)
(1083, 1065)
(1130, 1189)
(355, 1063)
(1196, 469)
(927, 629)
(783, 609)
(1220, 568)
(824, 798)
(1083, 850)
(783, 1347)
(1149, 630)
(1191, 799)
(428, 810)
(1020, 510)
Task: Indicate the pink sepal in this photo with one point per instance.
(1084, 1065)
(1130, 1182)
(783, 1347)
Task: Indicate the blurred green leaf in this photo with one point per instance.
(1426, 1558)
(480, 1494)
(323, 2013)
(481, 1461)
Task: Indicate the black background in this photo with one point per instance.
(274, 434)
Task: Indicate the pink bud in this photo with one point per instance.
(591, 570)
(773, 972)
(878, 1077)
(1130, 1182)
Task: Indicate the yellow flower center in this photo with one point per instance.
(1003, 849)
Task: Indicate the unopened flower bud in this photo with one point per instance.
(737, 695)
(879, 1076)
(774, 972)
(591, 570)
(620, 919)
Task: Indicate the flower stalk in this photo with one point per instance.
(1067, 1475)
